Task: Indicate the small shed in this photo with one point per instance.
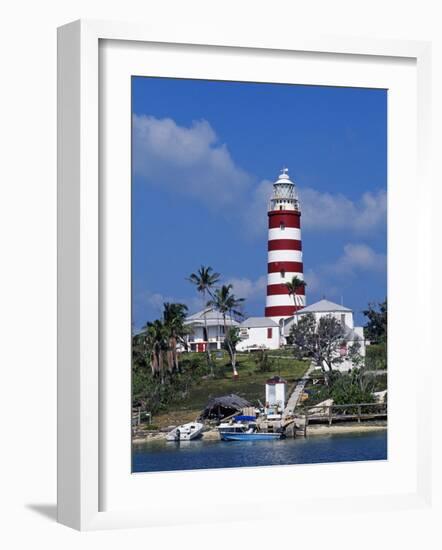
(275, 392)
(221, 407)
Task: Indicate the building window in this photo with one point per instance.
(282, 226)
(343, 319)
(283, 274)
(269, 333)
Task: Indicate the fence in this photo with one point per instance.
(341, 413)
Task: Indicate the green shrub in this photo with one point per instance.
(349, 388)
(376, 357)
(262, 361)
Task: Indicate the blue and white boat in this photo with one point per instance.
(244, 428)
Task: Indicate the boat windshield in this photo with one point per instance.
(239, 428)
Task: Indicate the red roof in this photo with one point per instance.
(276, 380)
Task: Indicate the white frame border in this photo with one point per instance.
(78, 247)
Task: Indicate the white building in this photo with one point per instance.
(198, 339)
(342, 314)
(258, 333)
(275, 394)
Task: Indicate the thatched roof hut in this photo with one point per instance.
(221, 407)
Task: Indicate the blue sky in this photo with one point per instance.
(205, 154)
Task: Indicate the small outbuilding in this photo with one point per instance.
(275, 392)
(222, 407)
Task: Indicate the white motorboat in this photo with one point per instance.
(185, 432)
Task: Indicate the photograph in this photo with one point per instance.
(259, 274)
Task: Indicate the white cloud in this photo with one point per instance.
(332, 278)
(254, 216)
(321, 211)
(188, 161)
(152, 303)
(327, 211)
(192, 161)
(313, 281)
(359, 257)
(247, 288)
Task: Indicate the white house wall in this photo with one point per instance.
(338, 315)
(257, 338)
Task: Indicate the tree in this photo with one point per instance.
(174, 316)
(293, 287)
(376, 328)
(354, 354)
(225, 301)
(320, 342)
(231, 340)
(352, 387)
(156, 344)
(204, 280)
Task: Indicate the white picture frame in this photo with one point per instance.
(80, 368)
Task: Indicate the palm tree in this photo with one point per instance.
(174, 316)
(156, 345)
(293, 286)
(225, 301)
(204, 280)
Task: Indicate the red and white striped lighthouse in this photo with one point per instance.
(284, 250)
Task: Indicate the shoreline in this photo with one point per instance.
(323, 429)
(312, 430)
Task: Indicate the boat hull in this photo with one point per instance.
(185, 433)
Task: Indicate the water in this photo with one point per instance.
(157, 456)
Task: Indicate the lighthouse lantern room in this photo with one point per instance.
(284, 250)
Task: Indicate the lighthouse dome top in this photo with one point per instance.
(284, 177)
(284, 195)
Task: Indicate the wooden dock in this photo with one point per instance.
(298, 423)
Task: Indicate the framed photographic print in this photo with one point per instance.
(235, 225)
(259, 356)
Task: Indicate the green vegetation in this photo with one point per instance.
(319, 341)
(293, 286)
(192, 388)
(156, 345)
(376, 331)
(376, 357)
(352, 387)
(224, 301)
(205, 280)
(376, 328)
(165, 382)
(355, 386)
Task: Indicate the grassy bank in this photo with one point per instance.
(250, 385)
(184, 395)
